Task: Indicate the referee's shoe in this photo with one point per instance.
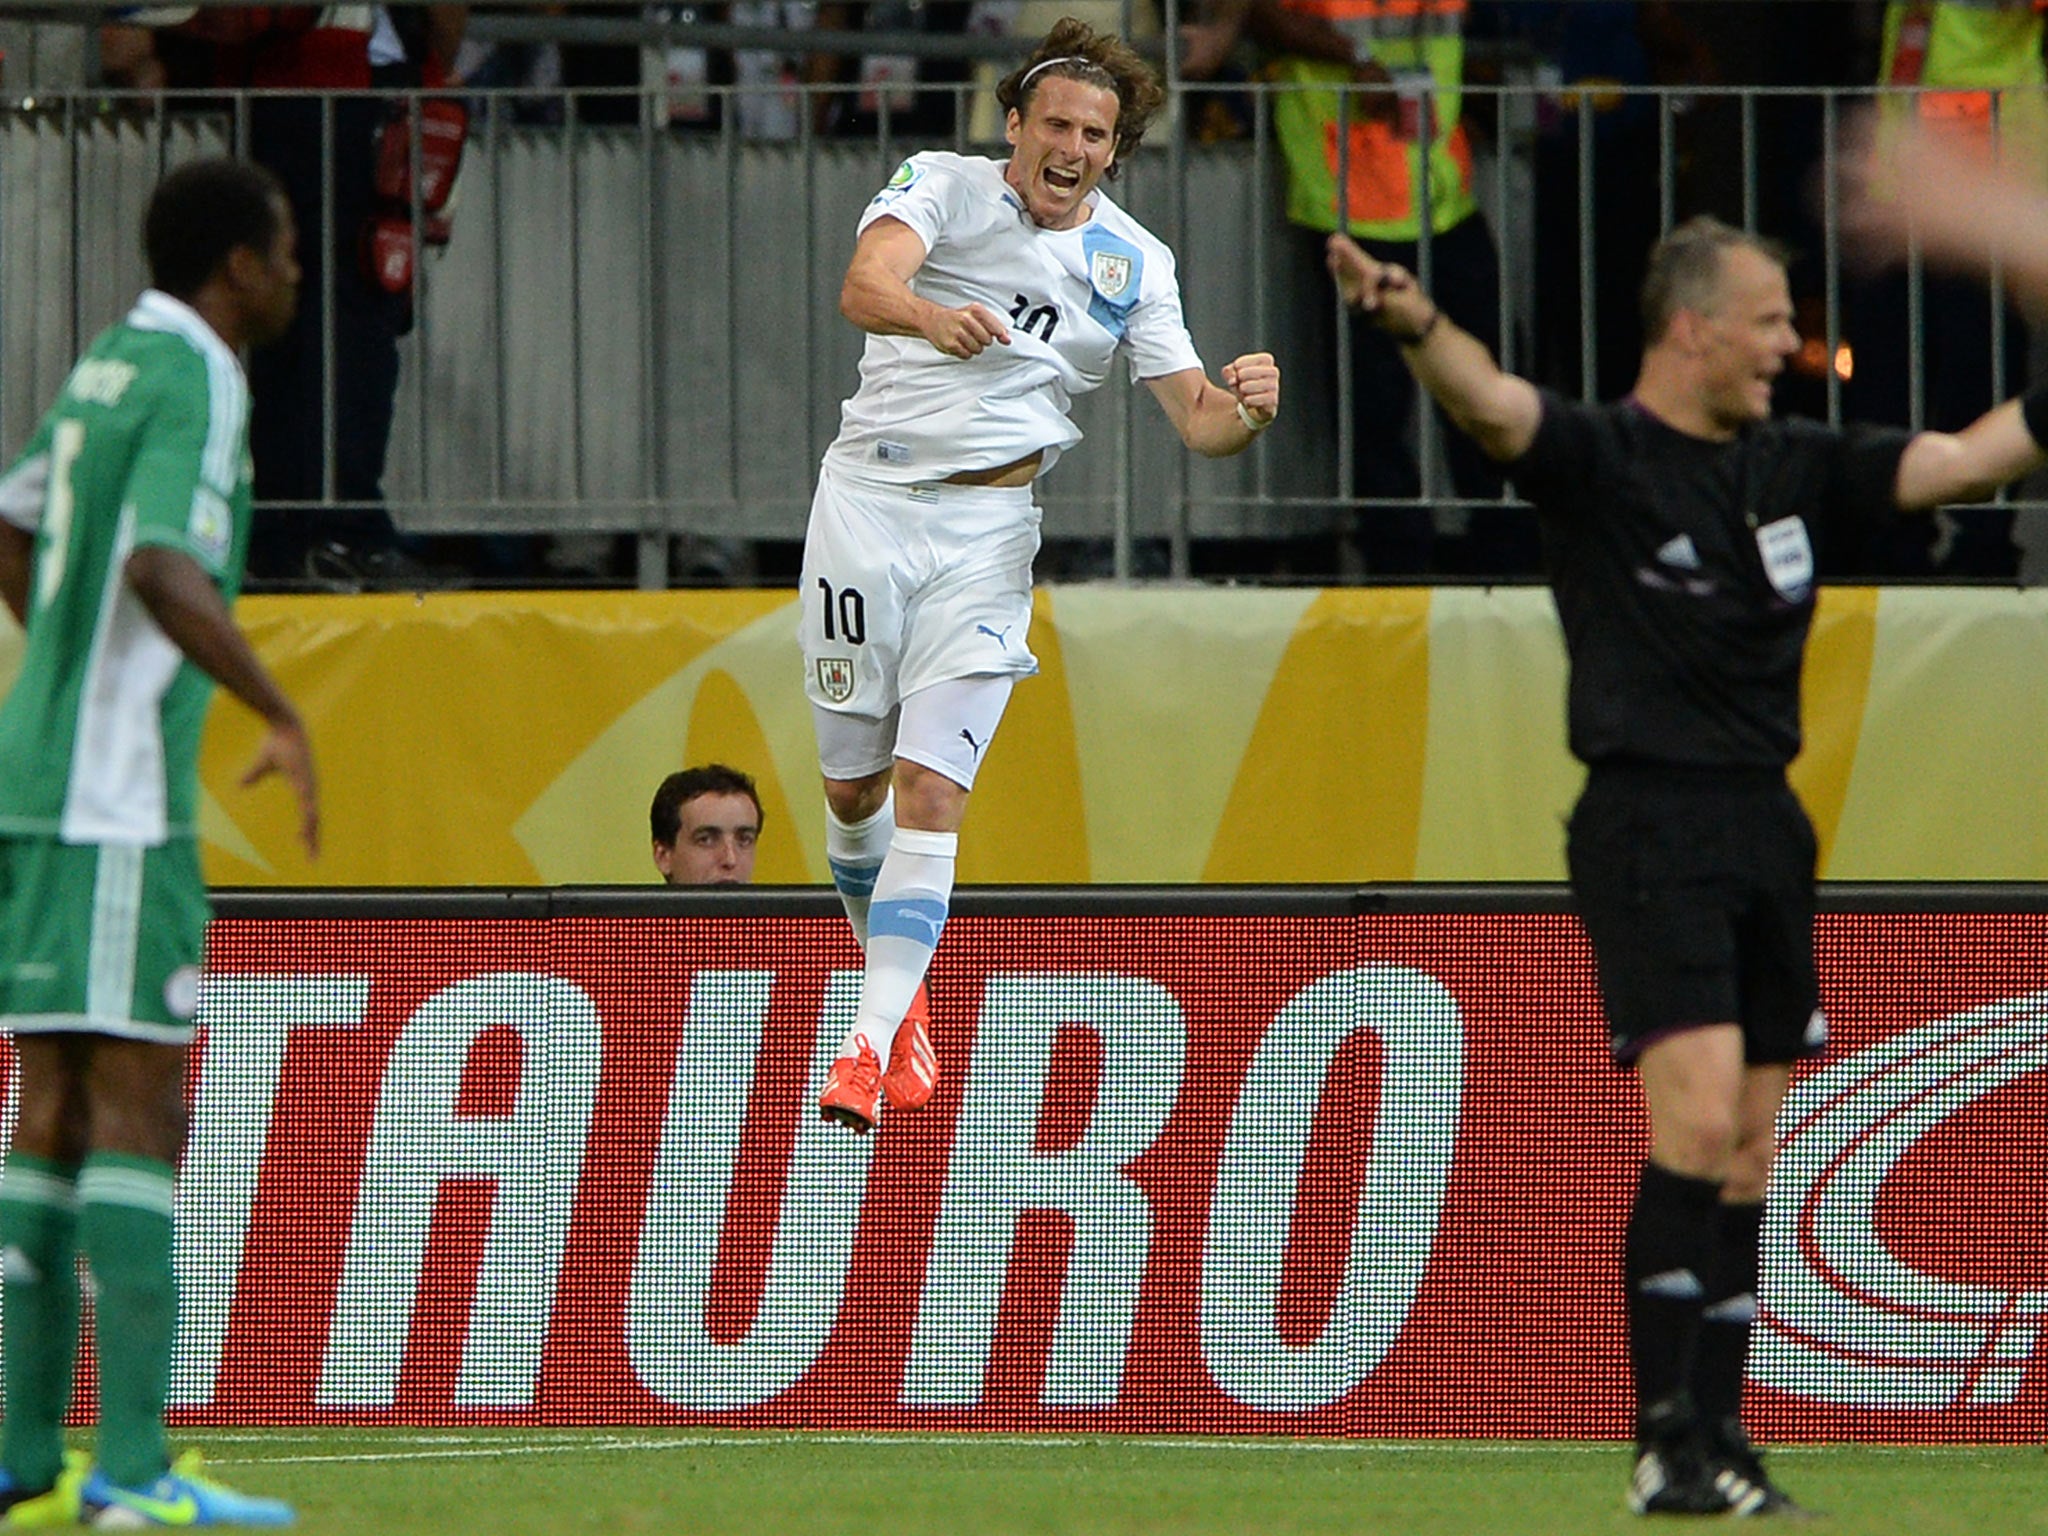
(1677, 1472)
(1729, 1445)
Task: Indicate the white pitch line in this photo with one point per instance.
(298, 1434)
(452, 1453)
(1048, 1442)
(452, 1448)
(391, 1437)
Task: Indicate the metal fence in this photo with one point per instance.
(634, 329)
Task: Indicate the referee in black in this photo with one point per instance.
(1679, 527)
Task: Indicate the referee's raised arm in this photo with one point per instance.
(1497, 410)
(1913, 191)
(2004, 444)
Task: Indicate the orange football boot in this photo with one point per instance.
(853, 1090)
(913, 1064)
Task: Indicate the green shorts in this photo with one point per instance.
(103, 938)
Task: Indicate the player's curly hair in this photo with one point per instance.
(1076, 51)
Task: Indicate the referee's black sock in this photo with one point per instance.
(1673, 1234)
(1727, 1311)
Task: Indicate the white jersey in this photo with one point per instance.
(1072, 297)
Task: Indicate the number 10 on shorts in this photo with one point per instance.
(848, 608)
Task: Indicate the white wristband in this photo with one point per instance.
(1245, 416)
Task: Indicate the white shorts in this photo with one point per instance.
(946, 728)
(905, 586)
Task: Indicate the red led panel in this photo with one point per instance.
(1345, 1175)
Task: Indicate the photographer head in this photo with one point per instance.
(705, 822)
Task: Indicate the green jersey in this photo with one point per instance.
(147, 444)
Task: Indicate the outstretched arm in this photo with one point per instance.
(1497, 410)
(1942, 467)
(1908, 186)
(877, 296)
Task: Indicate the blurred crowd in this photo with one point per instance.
(1933, 355)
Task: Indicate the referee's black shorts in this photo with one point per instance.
(1696, 888)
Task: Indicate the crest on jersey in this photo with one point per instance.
(1109, 273)
(835, 678)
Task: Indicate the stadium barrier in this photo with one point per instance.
(1317, 1161)
(598, 275)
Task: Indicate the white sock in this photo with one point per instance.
(854, 851)
(909, 908)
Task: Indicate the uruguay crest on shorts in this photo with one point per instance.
(1109, 273)
(835, 678)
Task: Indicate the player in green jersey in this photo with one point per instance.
(123, 530)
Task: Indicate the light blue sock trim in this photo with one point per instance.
(920, 919)
(854, 879)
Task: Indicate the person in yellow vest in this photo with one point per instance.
(1973, 68)
(1370, 123)
(1970, 73)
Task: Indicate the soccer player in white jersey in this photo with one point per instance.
(123, 530)
(992, 293)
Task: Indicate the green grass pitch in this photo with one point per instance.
(511, 1482)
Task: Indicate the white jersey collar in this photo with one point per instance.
(156, 310)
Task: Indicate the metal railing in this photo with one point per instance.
(634, 327)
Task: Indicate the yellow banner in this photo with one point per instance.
(1174, 736)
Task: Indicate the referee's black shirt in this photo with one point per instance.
(1684, 572)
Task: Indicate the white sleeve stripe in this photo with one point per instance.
(22, 490)
(227, 405)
